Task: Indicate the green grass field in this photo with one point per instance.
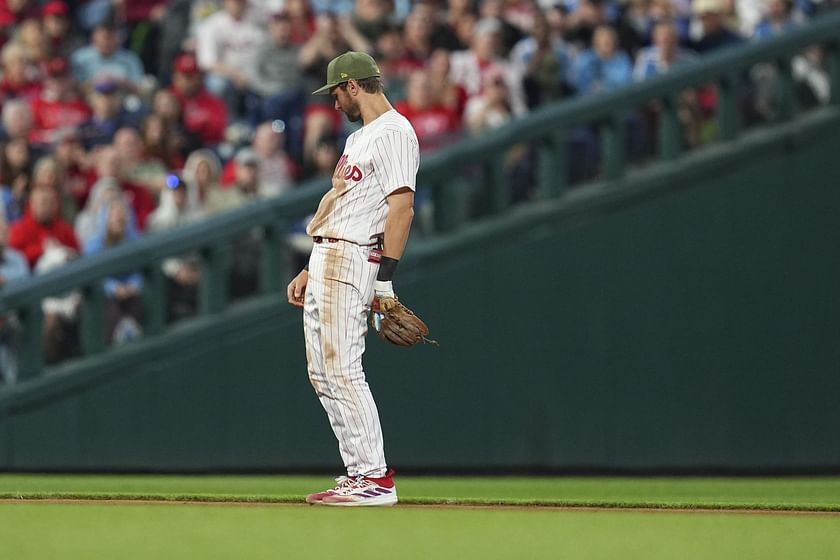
(800, 525)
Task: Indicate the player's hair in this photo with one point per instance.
(370, 85)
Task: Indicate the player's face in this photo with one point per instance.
(346, 103)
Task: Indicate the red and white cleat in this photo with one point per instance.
(359, 491)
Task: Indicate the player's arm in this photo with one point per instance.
(398, 222)
(397, 225)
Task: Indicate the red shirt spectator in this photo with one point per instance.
(138, 11)
(17, 81)
(433, 122)
(140, 200)
(203, 114)
(39, 226)
(59, 107)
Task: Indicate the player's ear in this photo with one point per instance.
(352, 87)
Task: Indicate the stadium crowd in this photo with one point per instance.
(123, 118)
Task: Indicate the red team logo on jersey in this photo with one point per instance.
(348, 171)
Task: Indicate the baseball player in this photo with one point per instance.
(359, 233)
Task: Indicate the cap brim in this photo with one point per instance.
(324, 90)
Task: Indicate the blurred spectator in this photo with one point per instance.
(159, 143)
(103, 192)
(13, 269)
(278, 82)
(13, 265)
(447, 93)
(370, 17)
(48, 174)
(714, 33)
(811, 72)
(276, 168)
(135, 165)
(662, 55)
(325, 156)
(17, 120)
(14, 12)
(302, 18)
(31, 38)
(544, 63)
(202, 174)
(142, 19)
(582, 21)
(204, 114)
(73, 159)
(749, 13)
(246, 250)
(59, 106)
(778, 19)
(179, 205)
(245, 186)
(104, 58)
(434, 122)
(446, 35)
(15, 173)
(603, 67)
(18, 75)
(669, 11)
(491, 109)
(173, 33)
(109, 164)
(124, 305)
(41, 227)
(166, 106)
(227, 45)
(509, 34)
(417, 35)
(331, 38)
(61, 313)
(62, 39)
(472, 68)
(108, 116)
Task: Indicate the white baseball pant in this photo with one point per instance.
(339, 293)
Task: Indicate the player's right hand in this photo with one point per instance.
(297, 288)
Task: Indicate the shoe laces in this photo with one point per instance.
(346, 482)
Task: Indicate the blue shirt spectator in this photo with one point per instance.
(778, 20)
(13, 265)
(603, 67)
(664, 53)
(104, 58)
(715, 34)
(115, 225)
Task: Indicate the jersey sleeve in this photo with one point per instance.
(396, 158)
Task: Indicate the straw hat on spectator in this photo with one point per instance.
(702, 7)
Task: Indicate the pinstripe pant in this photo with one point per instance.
(338, 296)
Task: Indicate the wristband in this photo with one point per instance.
(387, 268)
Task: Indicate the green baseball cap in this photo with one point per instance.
(348, 66)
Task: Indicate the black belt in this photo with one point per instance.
(377, 240)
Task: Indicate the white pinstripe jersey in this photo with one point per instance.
(378, 159)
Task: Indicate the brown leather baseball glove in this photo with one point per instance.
(397, 324)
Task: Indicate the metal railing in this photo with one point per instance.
(547, 129)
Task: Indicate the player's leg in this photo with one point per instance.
(342, 298)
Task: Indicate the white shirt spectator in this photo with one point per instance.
(467, 72)
(222, 39)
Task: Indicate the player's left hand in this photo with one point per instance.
(297, 288)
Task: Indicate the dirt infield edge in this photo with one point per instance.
(444, 506)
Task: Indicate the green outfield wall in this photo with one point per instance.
(684, 318)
